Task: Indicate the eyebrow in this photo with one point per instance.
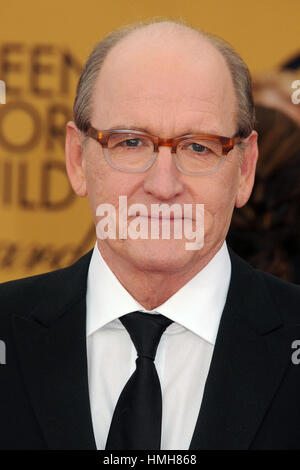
(130, 128)
(189, 131)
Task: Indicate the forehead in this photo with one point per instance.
(165, 82)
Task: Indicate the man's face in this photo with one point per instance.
(168, 89)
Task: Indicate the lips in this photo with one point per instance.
(148, 215)
(160, 217)
(164, 218)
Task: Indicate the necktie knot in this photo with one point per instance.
(145, 330)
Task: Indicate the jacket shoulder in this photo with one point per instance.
(22, 295)
(285, 296)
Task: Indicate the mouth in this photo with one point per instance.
(147, 215)
(160, 217)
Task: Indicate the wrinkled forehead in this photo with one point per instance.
(175, 72)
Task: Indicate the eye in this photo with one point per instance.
(198, 148)
(132, 142)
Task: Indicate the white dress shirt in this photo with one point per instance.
(183, 355)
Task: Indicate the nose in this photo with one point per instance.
(163, 180)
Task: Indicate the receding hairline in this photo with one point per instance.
(167, 36)
(160, 28)
(151, 32)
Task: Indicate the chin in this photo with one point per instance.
(158, 255)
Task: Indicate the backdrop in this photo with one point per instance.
(43, 45)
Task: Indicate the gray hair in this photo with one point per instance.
(240, 74)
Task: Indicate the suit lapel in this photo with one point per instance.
(251, 354)
(52, 353)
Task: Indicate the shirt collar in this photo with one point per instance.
(197, 306)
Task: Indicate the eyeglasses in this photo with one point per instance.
(135, 151)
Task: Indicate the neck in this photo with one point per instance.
(152, 288)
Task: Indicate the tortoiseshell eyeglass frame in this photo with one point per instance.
(102, 138)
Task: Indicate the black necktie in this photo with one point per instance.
(136, 422)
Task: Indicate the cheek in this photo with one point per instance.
(95, 178)
(100, 185)
(105, 184)
(218, 194)
(227, 193)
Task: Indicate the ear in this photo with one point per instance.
(247, 170)
(74, 160)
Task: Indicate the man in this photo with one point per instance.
(223, 375)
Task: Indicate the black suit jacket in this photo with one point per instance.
(252, 393)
